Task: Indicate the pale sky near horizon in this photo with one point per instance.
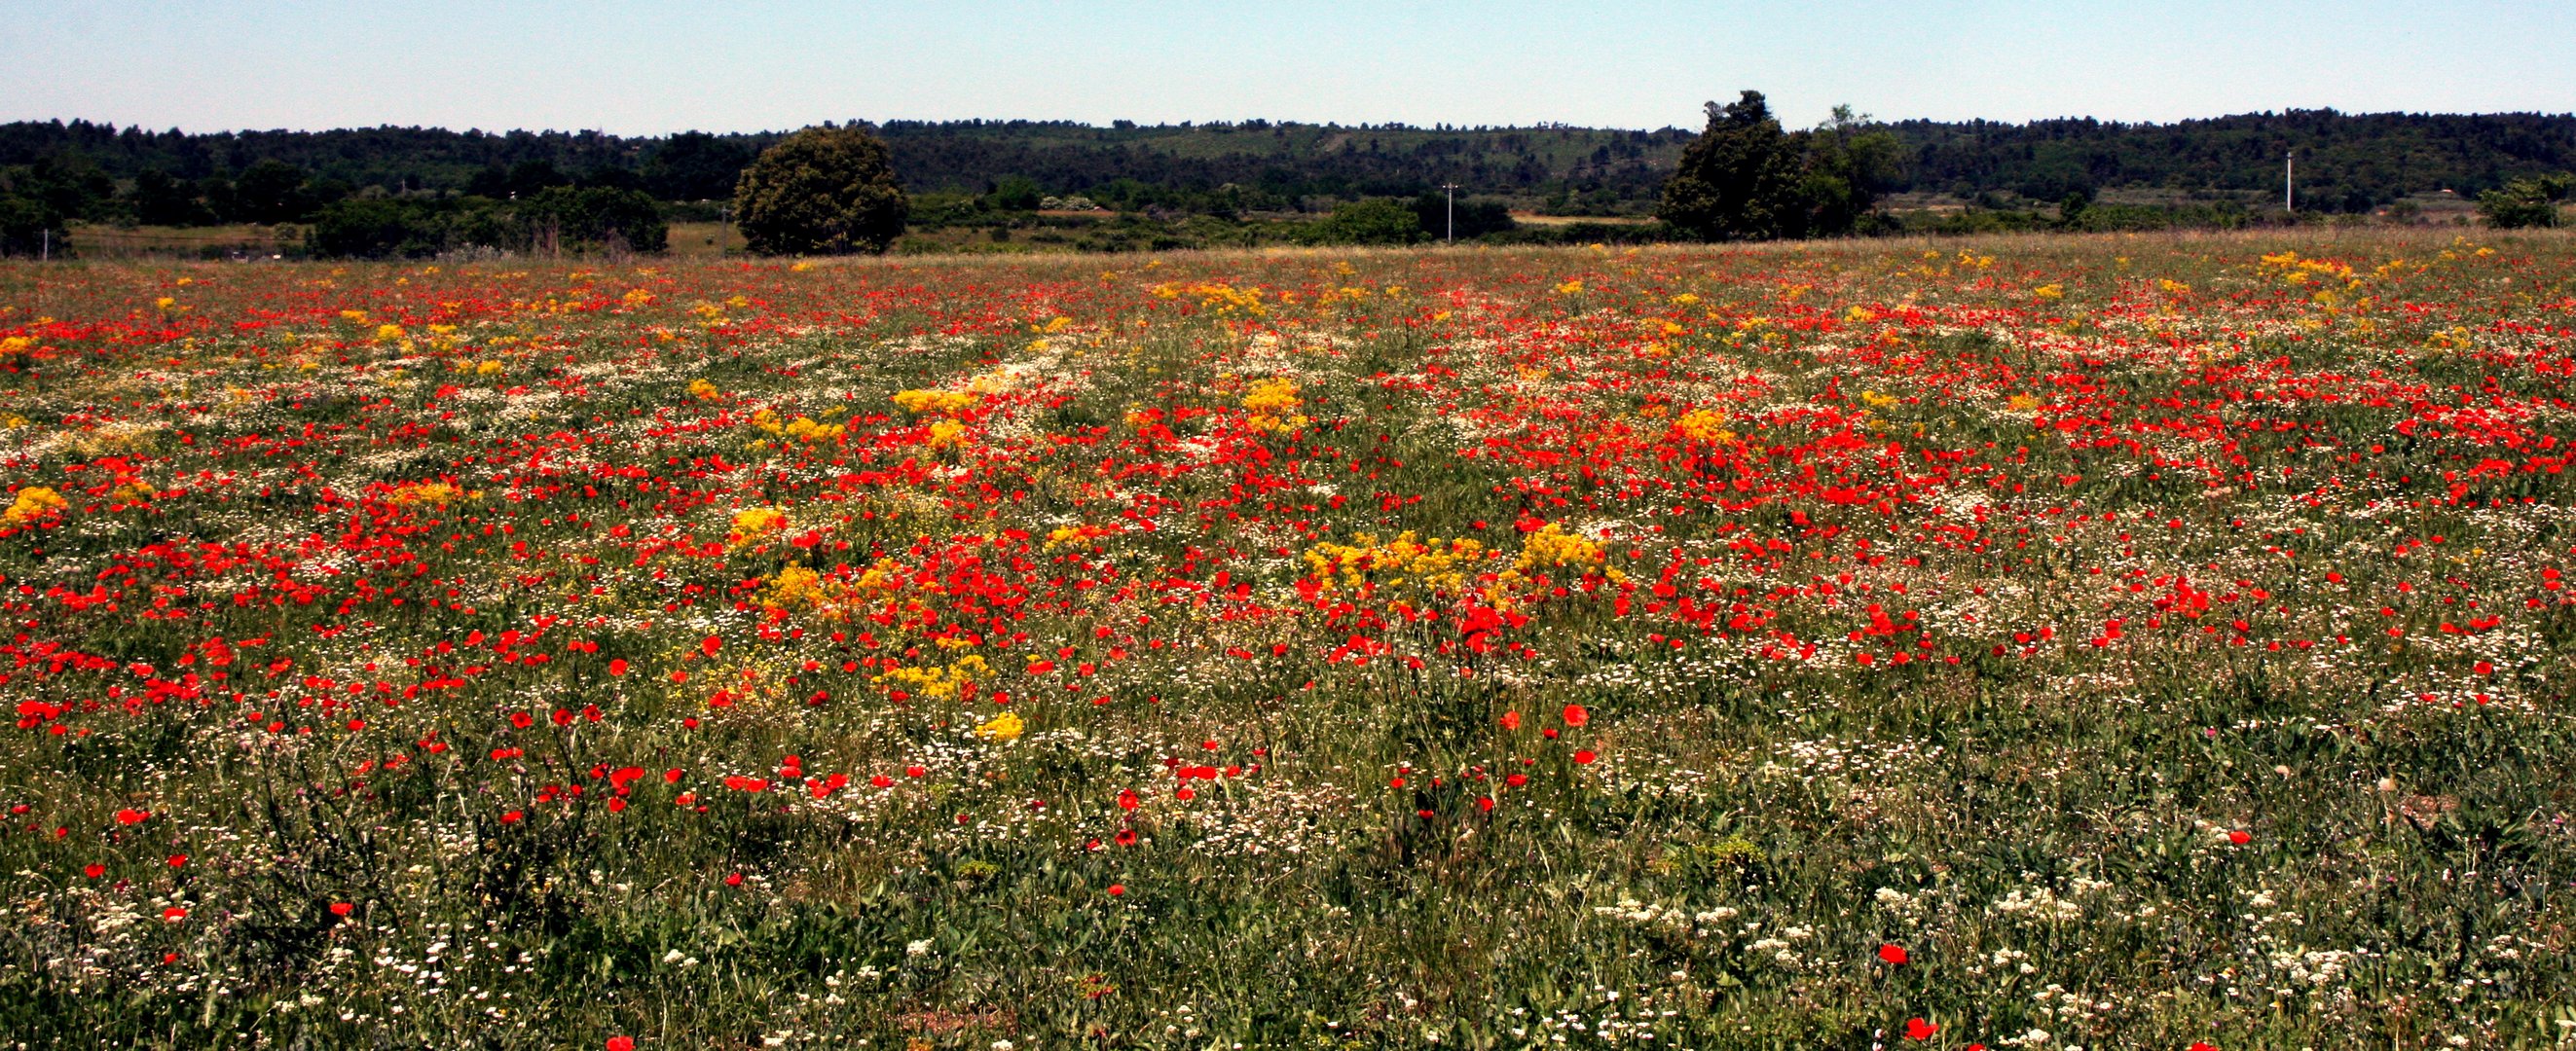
(656, 66)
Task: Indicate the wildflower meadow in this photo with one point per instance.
(2122, 641)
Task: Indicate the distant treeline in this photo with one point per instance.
(2348, 162)
(536, 189)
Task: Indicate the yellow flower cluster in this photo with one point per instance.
(1002, 728)
(33, 502)
(1554, 548)
(799, 429)
(1075, 535)
(752, 523)
(1273, 404)
(703, 390)
(936, 682)
(1703, 425)
(1435, 565)
(425, 494)
(935, 402)
(2290, 268)
(1218, 299)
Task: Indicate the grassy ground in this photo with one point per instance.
(2037, 643)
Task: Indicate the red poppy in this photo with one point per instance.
(1117, 889)
(1892, 953)
(1584, 756)
(1576, 716)
(621, 1043)
(617, 667)
(95, 870)
(710, 645)
(342, 908)
(132, 817)
(1511, 720)
(1918, 1029)
(2240, 837)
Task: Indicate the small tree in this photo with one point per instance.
(2527, 202)
(1739, 179)
(823, 190)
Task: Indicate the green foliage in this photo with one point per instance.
(596, 217)
(1849, 163)
(561, 219)
(270, 192)
(375, 228)
(24, 223)
(1740, 180)
(1745, 179)
(696, 166)
(825, 190)
(1372, 222)
(162, 200)
(2527, 202)
(1015, 193)
(1475, 216)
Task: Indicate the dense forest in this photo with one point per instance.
(55, 171)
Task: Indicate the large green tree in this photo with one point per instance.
(824, 190)
(1739, 180)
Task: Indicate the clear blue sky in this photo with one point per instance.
(652, 66)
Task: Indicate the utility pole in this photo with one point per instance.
(2289, 182)
(48, 250)
(1452, 189)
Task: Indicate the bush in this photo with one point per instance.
(1374, 222)
(23, 225)
(2529, 202)
(823, 190)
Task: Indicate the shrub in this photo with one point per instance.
(2531, 202)
(1374, 222)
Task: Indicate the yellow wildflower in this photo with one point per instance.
(1002, 728)
(33, 502)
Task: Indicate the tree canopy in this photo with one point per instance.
(825, 190)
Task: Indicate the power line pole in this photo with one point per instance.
(1452, 189)
(2289, 182)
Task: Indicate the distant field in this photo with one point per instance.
(98, 241)
(1535, 219)
(2041, 642)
